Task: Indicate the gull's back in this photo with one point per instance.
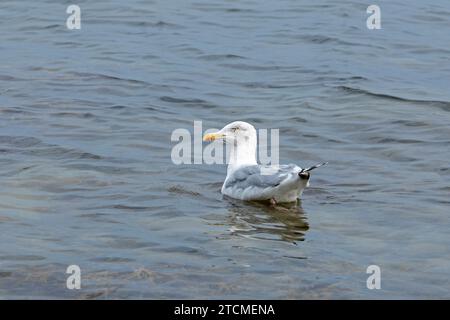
(259, 182)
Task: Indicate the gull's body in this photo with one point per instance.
(283, 184)
(247, 180)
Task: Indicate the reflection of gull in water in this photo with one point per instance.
(258, 221)
(246, 180)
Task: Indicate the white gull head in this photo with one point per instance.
(241, 136)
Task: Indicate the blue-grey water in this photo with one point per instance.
(86, 175)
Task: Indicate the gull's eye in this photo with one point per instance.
(234, 129)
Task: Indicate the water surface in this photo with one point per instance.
(86, 176)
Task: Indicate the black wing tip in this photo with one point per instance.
(314, 167)
(304, 175)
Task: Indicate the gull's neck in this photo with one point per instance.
(242, 153)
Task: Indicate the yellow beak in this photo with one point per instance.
(212, 136)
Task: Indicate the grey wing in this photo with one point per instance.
(251, 176)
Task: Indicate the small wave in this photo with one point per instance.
(23, 257)
(243, 66)
(191, 102)
(84, 115)
(216, 57)
(178, 100)
(148, 24)
(100, 76)
(181, 190)
(34, 147)
(394, 140)
(443, 104)
(4, 77)
(21, 142)
(125, 207)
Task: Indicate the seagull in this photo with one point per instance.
(247, 180)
